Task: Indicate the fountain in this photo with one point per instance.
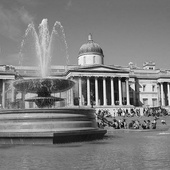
(45, 124)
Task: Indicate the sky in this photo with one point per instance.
(127, 30)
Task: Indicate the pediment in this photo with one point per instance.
(101, 68)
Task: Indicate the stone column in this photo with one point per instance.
(80, 92)
(162, 95)
(88, 91)
(159, 93)
(120, 91)
(71, 95)
(96, 91)
(3, 93)
(168, 94)
(134, 94)
(112, 92)
(12, 94)
(127, 91)
(104, 91)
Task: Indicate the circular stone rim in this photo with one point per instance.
(33, 85)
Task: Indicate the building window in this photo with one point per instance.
(154, 102)
(145, 101)
(144, 87)
(153, 88)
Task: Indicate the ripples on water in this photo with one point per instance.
(117, 151)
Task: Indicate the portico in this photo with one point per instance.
(164, 86)
(107, 88)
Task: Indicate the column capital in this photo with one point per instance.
(119, 78)
(112, 78)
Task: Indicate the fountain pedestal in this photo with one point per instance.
(48, 126)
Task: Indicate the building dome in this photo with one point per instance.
(90, 53)
(90, 47)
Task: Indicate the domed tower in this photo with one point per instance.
(90, 53)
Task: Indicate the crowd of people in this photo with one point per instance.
(155, 111)
(120, 117)
(119, 112)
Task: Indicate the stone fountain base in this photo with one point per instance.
(48, 126)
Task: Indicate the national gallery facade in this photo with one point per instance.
(96, 84)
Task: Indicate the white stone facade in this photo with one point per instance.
(96, 84)
(90, 59)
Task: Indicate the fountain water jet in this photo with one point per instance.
(45, 124)
(44, 85)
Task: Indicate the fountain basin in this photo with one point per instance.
(43, 85)
(48, 126)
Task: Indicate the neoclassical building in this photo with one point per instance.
(96, 84)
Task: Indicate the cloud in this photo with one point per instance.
(12, 20)
(8, 23)
(69, 4)
(25, 16)
(29, 2)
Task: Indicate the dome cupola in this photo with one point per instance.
(90, 53)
